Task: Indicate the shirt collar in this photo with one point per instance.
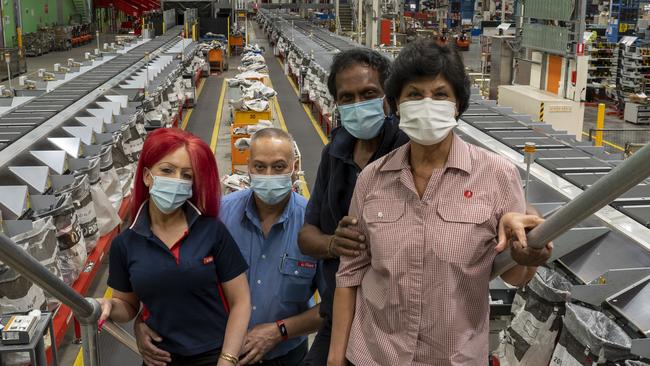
(459, 157)
(342, 143)
(250, 211)
(142, 222)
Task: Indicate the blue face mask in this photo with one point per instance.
(363, 120)
(271, 189)
(169, 193)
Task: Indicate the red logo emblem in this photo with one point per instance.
(468, 194)
(208, 259)
(310, 265)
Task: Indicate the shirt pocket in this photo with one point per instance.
(297, 278)
(463, 231)
(383, 223)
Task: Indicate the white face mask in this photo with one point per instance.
(427, 121)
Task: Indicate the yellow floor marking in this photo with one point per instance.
(317, 127)
(186, 119)
(79, 361)
(283, 126)
(217, 119)
(607, 143)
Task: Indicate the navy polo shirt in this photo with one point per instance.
(332, 192)
(181, 288)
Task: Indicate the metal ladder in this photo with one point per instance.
(81, 6)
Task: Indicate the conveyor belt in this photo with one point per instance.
(26, 117)
(313, 41)
(557, 155)
(296, 119)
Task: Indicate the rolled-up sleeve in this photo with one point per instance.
(352, 269)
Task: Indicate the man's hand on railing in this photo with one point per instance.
(145, 336)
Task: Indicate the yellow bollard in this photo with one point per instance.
(600, 124)
(19, 37)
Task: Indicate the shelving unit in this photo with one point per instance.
(597, 14)
(633, 73)
(624, 15)
(602, 72)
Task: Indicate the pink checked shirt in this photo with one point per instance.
(422, 296)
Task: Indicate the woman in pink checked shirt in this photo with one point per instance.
(430, 212)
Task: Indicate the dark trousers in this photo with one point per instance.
(319, 350)
(209, 358)
(295, 357)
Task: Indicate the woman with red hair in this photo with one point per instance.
(178, 259)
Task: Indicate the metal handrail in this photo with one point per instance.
(22, 262)
(87, 310)
(121, 336)
(625, 176)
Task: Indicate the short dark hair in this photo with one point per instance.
(426, 58)
(268, 133)
(272, 132)
(355, 56)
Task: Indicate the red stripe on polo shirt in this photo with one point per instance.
(226, 307)
(176, 248)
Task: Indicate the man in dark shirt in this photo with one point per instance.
(368, 132)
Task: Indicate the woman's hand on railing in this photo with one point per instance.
(107, 307)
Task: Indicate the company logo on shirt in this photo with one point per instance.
(207, 260)
(310, 265)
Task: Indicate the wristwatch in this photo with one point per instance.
(283, 329)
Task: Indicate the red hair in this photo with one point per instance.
(206, 190)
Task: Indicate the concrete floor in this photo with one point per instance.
(48, 60)
(472, 57)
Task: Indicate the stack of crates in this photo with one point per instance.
(243, 119)
(62, 37)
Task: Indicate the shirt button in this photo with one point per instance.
(380, 215)
(263, 256)
(296, 272)
(254, 307)
(259, 282)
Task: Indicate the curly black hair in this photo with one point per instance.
(426, 58)
(355, 56)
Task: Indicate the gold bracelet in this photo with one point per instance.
(228, 357)
(329, 247)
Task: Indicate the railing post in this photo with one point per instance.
(89, 335)
(600, 124)
(86, 310)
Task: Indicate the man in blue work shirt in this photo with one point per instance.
(265, 221)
